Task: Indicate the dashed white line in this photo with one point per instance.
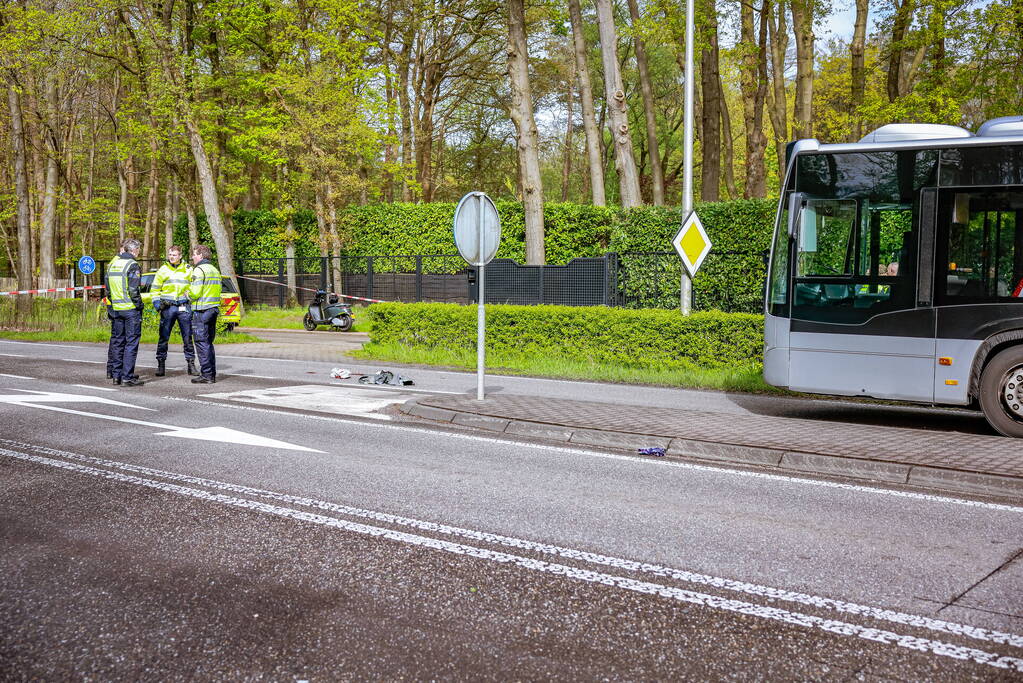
(4, 374)
(14, 355)
(82, 360)
(809, 621)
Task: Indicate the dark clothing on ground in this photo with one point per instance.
(204, 332)
(125, 332)
(182, 315)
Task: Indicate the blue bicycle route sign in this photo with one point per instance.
(86, 264)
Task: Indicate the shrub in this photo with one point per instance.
(633, 338)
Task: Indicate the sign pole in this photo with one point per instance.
(481, 315)
(686, 285)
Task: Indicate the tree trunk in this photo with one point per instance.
(566, 157)
(726, 143)
(122, 201)
(900, 25)
(289, 263)
(151, 239)
(193, 224)
(595, 164)
(210, 200)
(335, 238)
(753, 77)
(521, 111)
(170, 212)
(710, 116)
(656, 171)
(618, 115)
(858, 84)
(778, 101)
(406, 118)
(24, 269)
(48, 226)
(802, 24)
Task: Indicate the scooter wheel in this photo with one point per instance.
(346, 323)
(308, 322)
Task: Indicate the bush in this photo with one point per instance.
(650, 338)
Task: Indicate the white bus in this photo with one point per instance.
(897, 269)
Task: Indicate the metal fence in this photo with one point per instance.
(731, 281)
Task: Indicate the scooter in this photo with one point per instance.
(326, 310)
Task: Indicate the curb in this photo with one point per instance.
(956, 481)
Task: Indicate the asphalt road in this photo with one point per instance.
(140, 539)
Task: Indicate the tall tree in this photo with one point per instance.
(618, 116)
(857, 74)
(803, 15)
(753, 77)
(777, 99)
(521, 110)
(650, 114)
(710, 115)
(596, 165)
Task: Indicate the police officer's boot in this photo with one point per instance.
(191, 368)
(161, 368)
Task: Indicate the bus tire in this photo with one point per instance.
(1001, 392)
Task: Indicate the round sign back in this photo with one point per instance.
(476, 209)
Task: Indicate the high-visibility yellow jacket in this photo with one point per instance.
(122, 281)
(171, 283)
(204, 286)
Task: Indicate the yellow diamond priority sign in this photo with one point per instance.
(691, 243)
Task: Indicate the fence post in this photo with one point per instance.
(323, 273)
(539, 295)
(369, 277)
(419, 277)
(239, 270)
(282, 282)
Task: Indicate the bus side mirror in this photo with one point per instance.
(797, 200)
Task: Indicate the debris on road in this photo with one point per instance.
(654, 450)
(386, 377)
(340, 373)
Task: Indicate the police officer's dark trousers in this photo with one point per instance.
(125, 332)
(204, 331)
(183, 317)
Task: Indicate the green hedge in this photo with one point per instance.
(731, 282)
(634, 338)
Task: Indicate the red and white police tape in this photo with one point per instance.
(47, 291)
(307, 289)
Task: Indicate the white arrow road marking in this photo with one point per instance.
(32, 397)
(223, 434)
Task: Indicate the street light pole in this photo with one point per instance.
(686, 288)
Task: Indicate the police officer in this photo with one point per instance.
(170, 297)
(204, 293)
(123, 276)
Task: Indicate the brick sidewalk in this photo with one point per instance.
(965, 462)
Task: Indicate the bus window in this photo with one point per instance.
(825, 234)
(983, 245)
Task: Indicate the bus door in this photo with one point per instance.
(978, 278)
(855, 328)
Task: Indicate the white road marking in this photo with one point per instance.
(809, 621)
(215, 433)
(4, 374)
(62, 346)
(549, 549)
(89, 386)
(525, 446)
(243, 374)
(14, 355)
(82, 360)
(339, 400)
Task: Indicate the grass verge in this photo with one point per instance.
(747, 379)
(271, 317)
(75, 320)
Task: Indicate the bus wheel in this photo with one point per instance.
(1001, 392)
